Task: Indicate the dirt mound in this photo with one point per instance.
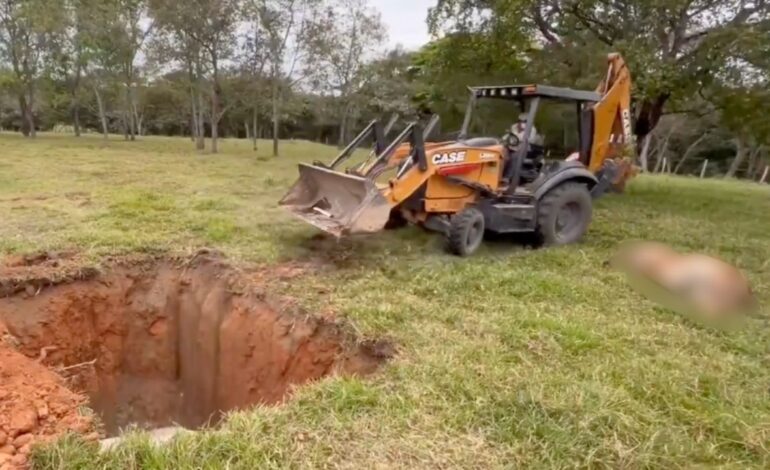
(35, 405)
(166, 342)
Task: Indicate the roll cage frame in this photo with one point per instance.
(529, 98)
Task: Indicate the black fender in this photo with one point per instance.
(562, 172)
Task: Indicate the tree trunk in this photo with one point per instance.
(214, 128)
(761, 163)
(76, 117)
(102, 113)
(124, 124)
(255, 128)
(276, 117)
(648, 118)
(76, 96)
(740, 156)
(753, 162)
(23, 111)
(342, 132)
(660, 152)
(31, 110)
(658, 161)
(689, 151)
(644, 154)
(130, 123)
(137, 118)
(193, 116)
(194, 128)
(200, 144)
(343, 137)
(215, 103)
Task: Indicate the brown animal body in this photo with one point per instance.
(711, 286)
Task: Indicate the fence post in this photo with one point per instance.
(703, 170)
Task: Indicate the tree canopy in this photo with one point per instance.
(319, 69)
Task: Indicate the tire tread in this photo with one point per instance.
(459, 226)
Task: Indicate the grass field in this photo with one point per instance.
(511, 358)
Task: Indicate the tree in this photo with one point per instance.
(77, 60)
(674, 47)
(129, 29)
(111, 34)
(173, 44)
(744, 112)
(254, 58)
(67, 60)
(27, 29)
(391, 86)
(344, 40)
(206, 30)
(167, 105)
(284, 25)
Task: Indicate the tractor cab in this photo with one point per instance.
(524, 148)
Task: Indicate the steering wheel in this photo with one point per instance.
(511, 140)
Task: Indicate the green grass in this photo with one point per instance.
(511, 358)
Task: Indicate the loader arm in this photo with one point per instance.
(399, 155)
(344, 203)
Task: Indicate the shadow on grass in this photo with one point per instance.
(512, 241)
(358, 250)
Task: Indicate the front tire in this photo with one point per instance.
(564, 214)
(466, 232)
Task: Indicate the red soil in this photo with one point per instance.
(153, 343)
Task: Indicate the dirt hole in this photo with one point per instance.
(160, 343)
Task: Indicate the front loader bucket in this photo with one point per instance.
(337, 203)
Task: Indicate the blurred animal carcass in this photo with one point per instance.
(704, 285)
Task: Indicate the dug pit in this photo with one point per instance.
(155, 343)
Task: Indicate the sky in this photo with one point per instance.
(406, 21)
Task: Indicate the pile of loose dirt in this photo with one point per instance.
(158, 342)
(35, 405)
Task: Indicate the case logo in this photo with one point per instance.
(447, 158)
(628, 133)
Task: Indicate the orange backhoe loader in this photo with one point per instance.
(469, 186)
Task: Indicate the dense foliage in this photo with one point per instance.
(318, 69)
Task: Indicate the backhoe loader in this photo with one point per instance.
(466, 187)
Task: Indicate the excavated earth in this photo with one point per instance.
(153, 342)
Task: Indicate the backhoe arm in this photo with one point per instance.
(612, 131)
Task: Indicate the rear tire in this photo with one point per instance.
(564, 214)
(466, 232)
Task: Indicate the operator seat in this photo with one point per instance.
(481, 142)
(530, 167)
(533, 163)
